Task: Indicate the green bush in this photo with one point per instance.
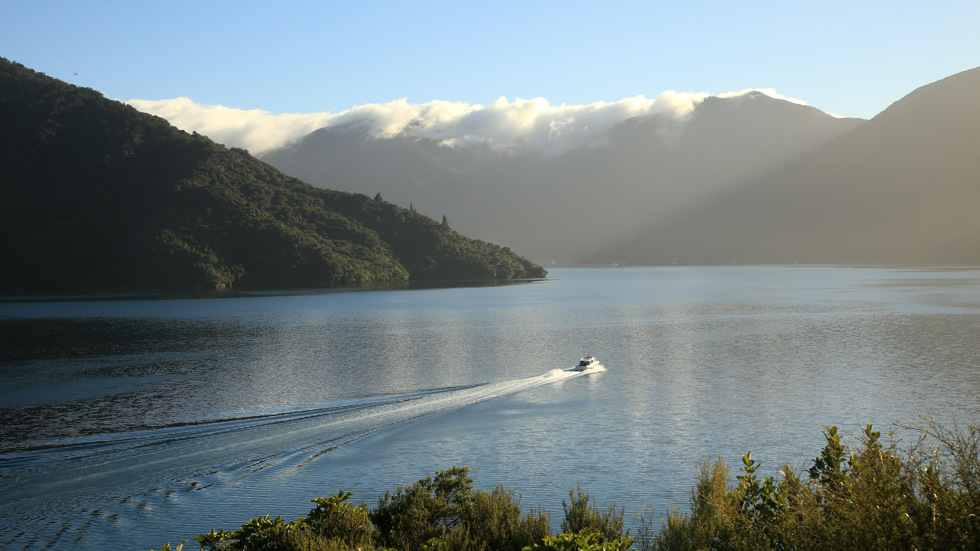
(494, 522)
(426, 510)
(567, 541)
(873, 496)
(255, 535)
(582, 516)
(334, 518)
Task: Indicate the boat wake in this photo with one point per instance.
(180, 477)
(285, 440)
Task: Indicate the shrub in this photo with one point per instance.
(710, 508)
(871, 497)
(426, 510)
(581, 542)
(255, 535)
(493, 521)
(874, 496)
(335, 518)
(583, 516)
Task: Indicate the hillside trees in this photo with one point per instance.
(95, 195)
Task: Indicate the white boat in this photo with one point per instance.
(586, 363)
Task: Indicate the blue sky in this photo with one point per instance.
(849, 58)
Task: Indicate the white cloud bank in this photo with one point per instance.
(550, 129)
(767, 91)
(253, 129)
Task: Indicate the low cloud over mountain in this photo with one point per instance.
(560, 183)
(902, 188)
(503, 125)
(253, 129)
(746, 176)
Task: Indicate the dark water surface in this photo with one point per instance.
(130, 423)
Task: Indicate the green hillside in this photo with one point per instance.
(95, 195)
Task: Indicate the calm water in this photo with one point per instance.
(130, 423)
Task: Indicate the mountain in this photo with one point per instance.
(95, 195)
(570, 206)
(901, 189)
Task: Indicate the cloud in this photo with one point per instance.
(553, 129)
(256, 130)
(503, 125)
(767, 91)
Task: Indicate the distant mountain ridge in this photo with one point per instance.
(903, 188)
(95, 195)
(743, 179)
(569, 207)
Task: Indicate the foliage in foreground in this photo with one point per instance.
(874, 496)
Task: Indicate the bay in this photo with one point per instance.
(129, 422)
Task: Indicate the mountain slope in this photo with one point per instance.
(563, 207)
(904, 188)
(96, 195)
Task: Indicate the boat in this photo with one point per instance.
(586, 363)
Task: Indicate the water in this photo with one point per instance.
(130, 423)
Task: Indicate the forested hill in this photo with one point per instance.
(95, 195)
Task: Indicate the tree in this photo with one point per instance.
(427, 509)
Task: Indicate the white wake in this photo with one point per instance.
(237, 446)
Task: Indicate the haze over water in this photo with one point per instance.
(137, 422)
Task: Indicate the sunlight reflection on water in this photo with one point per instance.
(702, 361)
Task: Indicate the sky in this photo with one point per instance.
(296, 65)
